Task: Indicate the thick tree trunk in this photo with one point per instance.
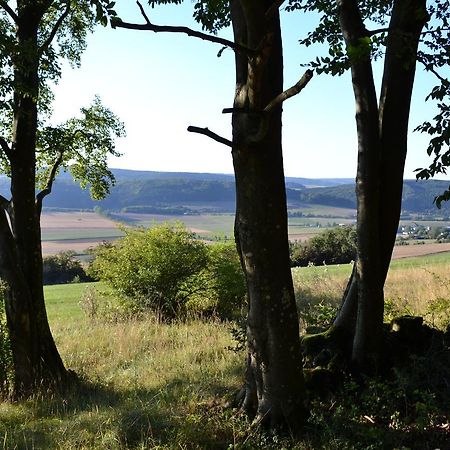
(274, 381)
(36, 359)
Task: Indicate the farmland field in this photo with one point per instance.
(79, 231)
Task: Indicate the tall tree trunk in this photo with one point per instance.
(36, 359)
(274, 381)
(407, 21)
(368, 329)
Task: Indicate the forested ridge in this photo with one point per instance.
(138, 189)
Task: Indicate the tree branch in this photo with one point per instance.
(9, 10)
(431, 69)
(55, 29)
(5, 148)
(210, 134)
(148, 26)
(371, 33)
(234, 110)
(48, 188)
(294, 90)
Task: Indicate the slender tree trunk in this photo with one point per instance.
(274, 381)
(408, 19)
(369, 322)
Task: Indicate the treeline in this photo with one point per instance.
(186, 194)
(335, 246)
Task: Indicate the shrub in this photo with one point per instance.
(164, 269)
(221, 286)
(336, 246)
(63, 268)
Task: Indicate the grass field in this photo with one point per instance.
(152, 385)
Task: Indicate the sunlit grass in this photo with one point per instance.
(147, 384)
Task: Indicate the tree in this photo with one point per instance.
(382, 142)
(274, 391)
(34, 37)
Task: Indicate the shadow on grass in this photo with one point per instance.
(93, 415)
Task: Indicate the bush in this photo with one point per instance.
(63, 268)
(164, 269)
(336, 246)
(221, 285)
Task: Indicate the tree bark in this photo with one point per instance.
(274, 381)
(407, 21)
(369, 322)
(36, 359)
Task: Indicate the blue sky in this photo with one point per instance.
(159, 84)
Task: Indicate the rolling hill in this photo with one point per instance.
(179, 192)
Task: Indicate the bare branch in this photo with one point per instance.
(5, 148)
(148, 26)
(273, 8)
(48, 188)
(9, 10)
(210, 134)
(294, 90)
(371, 33)
(234, 110)
(55, 28)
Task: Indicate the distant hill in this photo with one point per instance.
(182, 192)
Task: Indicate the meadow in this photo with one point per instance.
(146, 384)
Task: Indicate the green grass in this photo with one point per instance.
(80, 233)
(63, 301)
(153, 385)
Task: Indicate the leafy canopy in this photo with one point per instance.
(62, 30)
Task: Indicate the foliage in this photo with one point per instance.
(63, 268)
(81, 145)
(220, 285)
(335, 246)
(166, 270)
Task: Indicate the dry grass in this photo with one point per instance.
(148, 384)
(418, 286)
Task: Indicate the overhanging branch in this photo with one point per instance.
(9, 11)
(55, 28)
(294, 90)
(148, 26)
(210, 134)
